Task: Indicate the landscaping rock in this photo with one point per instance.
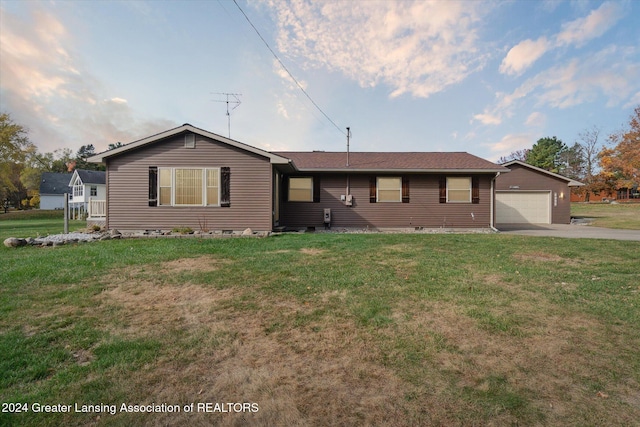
(247, 232)
(115, 234)
(14, 242)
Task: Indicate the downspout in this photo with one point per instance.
(493, 198)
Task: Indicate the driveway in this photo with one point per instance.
(570, 231)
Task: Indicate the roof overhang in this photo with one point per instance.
(399, 170)
(101, 157)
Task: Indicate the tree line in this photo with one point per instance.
(603, 164)
(22, 165)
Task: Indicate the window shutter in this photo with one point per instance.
(316, 189)
(443, 189)
(475, 189)
(225, 187)
(372, 189)
(153, 186)
(405, 189)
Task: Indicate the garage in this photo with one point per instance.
(519, 207)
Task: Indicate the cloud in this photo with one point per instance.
(47, 89)
(594, 25)
(508, 144)
(610, 73)
(536, 119)
(488, 119)
(415, 48)
(522, 55)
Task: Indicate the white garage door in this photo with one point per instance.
(518, 207)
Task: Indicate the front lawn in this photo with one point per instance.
(325, 329)
(34, 223)
(608, 215)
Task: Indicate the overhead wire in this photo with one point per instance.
(284, 67)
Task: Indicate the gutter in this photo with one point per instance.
(398, 170)
(493, 200)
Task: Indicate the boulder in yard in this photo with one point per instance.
(247, 232)
(14, 242)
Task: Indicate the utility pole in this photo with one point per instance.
(230, 98)
(348, 138)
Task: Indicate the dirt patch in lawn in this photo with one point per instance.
(545, 257)
(200, 264)
(320, 374)
(312, 251)
(144, 307)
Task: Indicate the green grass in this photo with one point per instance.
(35, 223)
(326, 329)
(622, 215)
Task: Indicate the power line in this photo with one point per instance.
(287, 70)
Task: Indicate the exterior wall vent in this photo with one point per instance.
(190, 140)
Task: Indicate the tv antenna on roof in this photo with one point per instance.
(230, 98)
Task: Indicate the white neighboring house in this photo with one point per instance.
(53, 186)
(88, 194)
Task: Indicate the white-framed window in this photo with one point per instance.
(188, 186)
(301, 189)
(459, 189)
(78, 191)
(389, 189)
(94, 190)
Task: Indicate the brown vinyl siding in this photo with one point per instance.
(128, 187)
(422, 210)
(531, 180)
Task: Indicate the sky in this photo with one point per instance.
(485, 77)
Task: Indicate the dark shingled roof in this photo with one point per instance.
(54, 183)
(92, 177)
(371, 161)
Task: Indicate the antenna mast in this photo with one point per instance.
(232, 98)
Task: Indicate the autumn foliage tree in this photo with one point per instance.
(621, 163)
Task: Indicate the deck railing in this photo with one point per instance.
(97, 208)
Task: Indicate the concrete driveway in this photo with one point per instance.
(570, 231)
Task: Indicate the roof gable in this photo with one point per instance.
(88, 177)
(98, 158)
(322, 161)
(570, 182)
(54, 183)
